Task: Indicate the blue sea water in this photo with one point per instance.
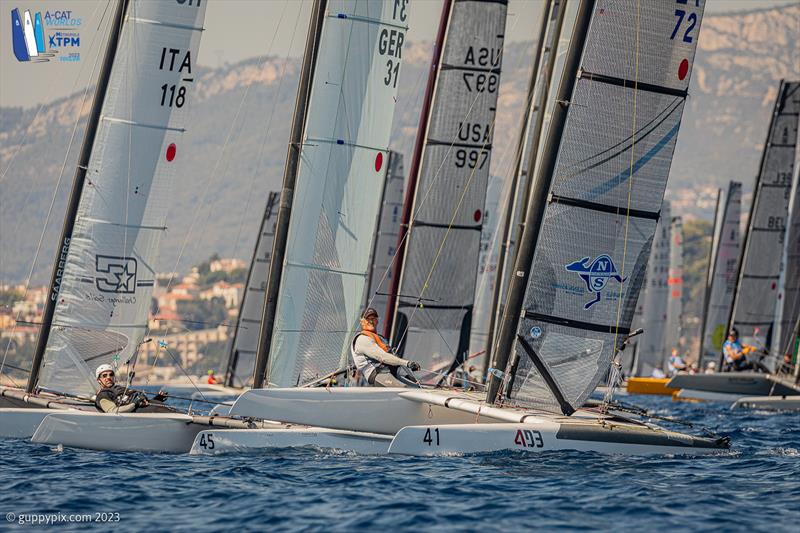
(756, 486)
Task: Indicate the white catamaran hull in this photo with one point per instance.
(730, 386)
(414, 422)
(768, 403)
(213, 442)
(21, 423)
(140, 432)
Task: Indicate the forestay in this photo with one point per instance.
(337, 198)
(725, 264)
(382, 267)
(242, 355)
(672, 331)
(608, 186)
(655, 296)
(437, 285)
(754, 302)
(108, 271)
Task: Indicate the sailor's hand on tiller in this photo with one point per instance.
(413, 366)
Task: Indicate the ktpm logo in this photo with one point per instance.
(27, 37)
(115, 274)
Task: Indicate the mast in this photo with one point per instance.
(538, 200)
(413, 174)
(289, 179)
(711, 267)
(551, 8)
(77, 189)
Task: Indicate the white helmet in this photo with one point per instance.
(103, 368)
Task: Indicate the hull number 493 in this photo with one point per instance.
(529, 438)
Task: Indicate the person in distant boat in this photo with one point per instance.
(212, 379)
(734, 352)
(372, 357)
(676, 363)
(114, 398)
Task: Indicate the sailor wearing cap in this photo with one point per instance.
(372, 358)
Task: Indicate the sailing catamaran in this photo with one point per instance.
(754, 302)
(103, 276)
(578, 272)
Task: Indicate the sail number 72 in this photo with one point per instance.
(691, 21)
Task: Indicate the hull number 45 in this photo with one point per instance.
(529, 438)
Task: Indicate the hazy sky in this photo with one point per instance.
(235, 30)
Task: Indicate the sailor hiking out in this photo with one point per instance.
(373, 359)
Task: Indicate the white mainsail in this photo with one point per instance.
(725, 265)
(608, 185)
(754, 301)
(436, 293)
(673, 327)
(108, 269)
(337, 198)
(242, 355)
(384, 250)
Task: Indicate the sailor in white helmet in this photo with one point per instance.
(114, 398)
(372, 358)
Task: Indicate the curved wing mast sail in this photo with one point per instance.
(436, 293)
(753, 310)
(332, 183)
(596, 200)
(242, 352)
(103, 277)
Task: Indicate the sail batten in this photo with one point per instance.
(589, 264)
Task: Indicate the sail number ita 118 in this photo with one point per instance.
(180, 62)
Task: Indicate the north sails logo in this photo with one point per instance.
(116, 274)
(595, 274)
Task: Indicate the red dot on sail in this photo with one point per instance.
(378, 162)
(171, 150)
(477, 215)
(774, 285)
(683, 69)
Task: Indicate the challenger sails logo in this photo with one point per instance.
(595, 274)
(116, 274)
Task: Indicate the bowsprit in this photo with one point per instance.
(595, 274)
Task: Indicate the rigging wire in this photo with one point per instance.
(615, 363)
